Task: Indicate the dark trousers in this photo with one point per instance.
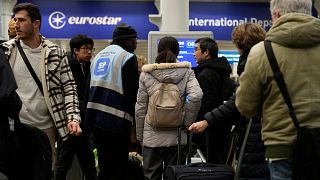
(113, 153)
(214, 142)
(80, 146)
(156, 160)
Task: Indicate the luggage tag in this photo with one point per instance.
(11, 124)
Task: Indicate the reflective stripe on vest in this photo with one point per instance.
(110, 110)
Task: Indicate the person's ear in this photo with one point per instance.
(276, 14)
(75, 51)
(37, 23)
(206, 53)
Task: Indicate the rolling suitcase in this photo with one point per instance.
(194, 171)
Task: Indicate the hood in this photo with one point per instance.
(168, 72)
(295, 30)
(220, 65)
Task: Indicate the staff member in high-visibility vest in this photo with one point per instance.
(111, 101)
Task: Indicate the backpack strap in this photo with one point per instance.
(278, 76)
(26, 61)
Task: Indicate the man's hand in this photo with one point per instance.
(74, 128)
(198, 127)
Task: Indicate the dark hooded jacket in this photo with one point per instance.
(210, 76)
(227, 110)
(10, 103)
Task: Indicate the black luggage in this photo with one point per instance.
(203, 171)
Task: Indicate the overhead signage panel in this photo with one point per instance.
(94, 18)
(64, 19)
(221, 18)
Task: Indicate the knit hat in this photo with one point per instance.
(124, 31)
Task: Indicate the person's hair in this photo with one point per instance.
(11, 30)
(169, 43)
(166, 56)
(291, 6)
(247, 35)
(208, 44)
(141, 60)
(79, 40)
(33, 11)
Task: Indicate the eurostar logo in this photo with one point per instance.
(57, 20)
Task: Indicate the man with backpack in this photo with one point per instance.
(213, 74)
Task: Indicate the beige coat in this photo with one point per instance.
(295, 40)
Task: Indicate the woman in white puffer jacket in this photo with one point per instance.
(160, 144)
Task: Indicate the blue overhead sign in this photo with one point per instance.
(221, 18)
(64, 19)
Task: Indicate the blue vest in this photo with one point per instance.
(107, 106)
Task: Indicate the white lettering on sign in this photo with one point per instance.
(94, 20)
(226, 22)
(58, 20)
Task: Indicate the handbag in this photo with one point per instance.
(306, 154)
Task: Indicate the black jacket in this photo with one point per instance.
(254, 164)
(209, 75)
(228, 110)
(81, 75)
(10, 103)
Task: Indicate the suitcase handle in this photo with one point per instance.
(201, 164)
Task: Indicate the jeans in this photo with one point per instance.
(280, 169)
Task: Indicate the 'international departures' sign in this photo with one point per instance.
(97, 19)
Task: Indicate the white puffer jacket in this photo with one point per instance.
(176, 73)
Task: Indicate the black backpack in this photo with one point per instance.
(25, 153)
(37, 152)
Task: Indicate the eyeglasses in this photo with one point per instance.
(87, 49)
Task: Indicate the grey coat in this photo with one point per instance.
(179, 74)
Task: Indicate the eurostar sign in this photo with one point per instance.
(97, 19)
(58, 20)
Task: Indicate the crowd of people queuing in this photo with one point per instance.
(82, 101)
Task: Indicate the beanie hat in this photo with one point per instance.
(124, 31)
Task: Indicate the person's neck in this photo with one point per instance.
(33, 42)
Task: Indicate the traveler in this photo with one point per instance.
(111, 101)
(160, 143)
(212, 73)
(295, 39)
(52, 104)
(81, 47)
